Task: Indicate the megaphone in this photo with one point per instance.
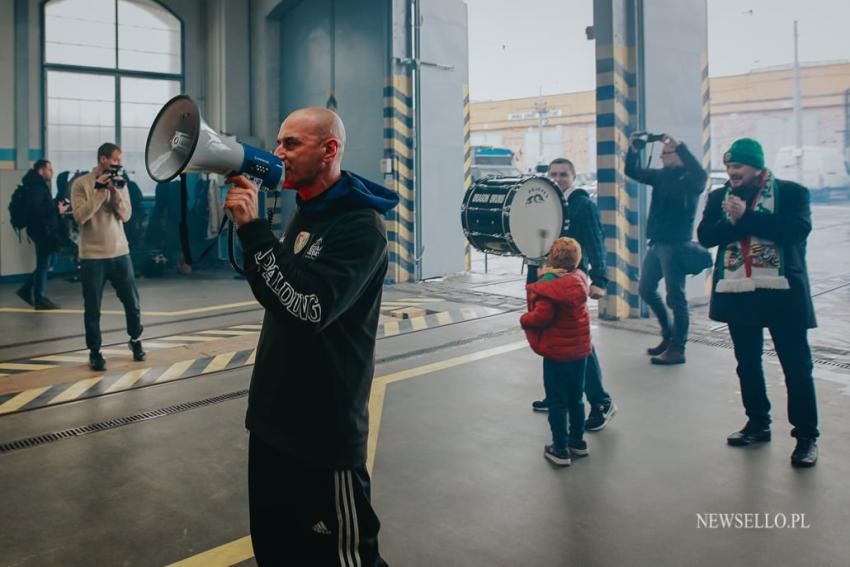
(180, 141)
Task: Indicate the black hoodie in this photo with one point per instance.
(321, 286)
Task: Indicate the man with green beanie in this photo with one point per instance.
(760, 225)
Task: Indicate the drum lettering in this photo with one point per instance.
(494, 198)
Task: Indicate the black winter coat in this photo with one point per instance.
(788, 227)
(583, 224)
(44, 224)
(675, 195)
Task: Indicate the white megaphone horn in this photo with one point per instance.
(180, 141)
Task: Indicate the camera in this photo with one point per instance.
(118, 176)
(644, 138)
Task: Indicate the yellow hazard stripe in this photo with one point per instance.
(391, 328)
(220, 362)
(22, 399)
(128, 380)
(76, 389)
(175, 370)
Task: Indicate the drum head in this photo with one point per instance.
(536, 216)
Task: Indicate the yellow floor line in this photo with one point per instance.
(228, 332)
(467, 313)
(235, 552)
(24, 366)
(190, 338)
(175, 370)
(252, 358)
(257, 327)
(128, 380)
(64, 358)
(222, 556)
(22, 399)
(155, 345)
(115, 351)
(76, 389)
(418, 323)
(390, 328)
(178, 313)
(219, 362)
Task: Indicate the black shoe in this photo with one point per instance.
(578, 448)
(600, 416)
(749, 435)
(673, 355)
(805, 453)
(96, 361)
(45, 304)
(662, 346)
(136, 347)
(540, 405)
(560, 457)
(25, 293)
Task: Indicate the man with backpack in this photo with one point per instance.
(32, 207)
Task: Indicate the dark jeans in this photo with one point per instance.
(37, 282)
(303, 516)
(119, 272)
(596, 394)
(662, 261)
(564, 385)
(792, 348)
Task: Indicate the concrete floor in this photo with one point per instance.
(459, 478)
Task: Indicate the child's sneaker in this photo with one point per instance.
(560, 457)
(578, 448)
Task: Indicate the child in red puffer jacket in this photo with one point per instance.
(558, 329)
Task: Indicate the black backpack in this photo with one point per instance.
(19, 209)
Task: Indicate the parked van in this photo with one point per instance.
(824, 170)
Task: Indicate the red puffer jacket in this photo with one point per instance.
(558, 322)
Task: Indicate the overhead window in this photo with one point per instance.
(110, 65)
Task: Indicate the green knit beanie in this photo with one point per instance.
(746, 151)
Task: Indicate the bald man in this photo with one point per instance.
(321, 284)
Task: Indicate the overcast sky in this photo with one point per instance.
(517, 48)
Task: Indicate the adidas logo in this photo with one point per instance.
(321, 528)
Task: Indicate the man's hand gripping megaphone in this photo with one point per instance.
(241, 200)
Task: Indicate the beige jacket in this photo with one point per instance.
(101, 215)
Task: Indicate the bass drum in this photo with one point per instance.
(513, 216)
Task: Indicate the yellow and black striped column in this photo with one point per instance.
(618, 200)
(398, 148)
(467, 167)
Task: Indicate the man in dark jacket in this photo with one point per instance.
(321, 286)
(676, 189)
(760, 225)
(44, 228)
(581, 222)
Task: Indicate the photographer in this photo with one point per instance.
(44, 228)
(101, 206)
(676, 188)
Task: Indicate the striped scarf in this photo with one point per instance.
(753, 263)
